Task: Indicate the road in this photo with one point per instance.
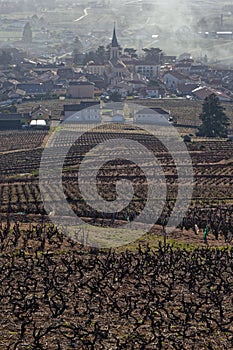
(83, 16)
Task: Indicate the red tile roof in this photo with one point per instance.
(203, 92)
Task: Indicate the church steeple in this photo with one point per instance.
(114, 54)
(114, 38)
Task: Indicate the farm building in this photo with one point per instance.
(40, 112)
(40, 118)
(82, 112)
(152, 116)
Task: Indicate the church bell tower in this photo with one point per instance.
(114, 52)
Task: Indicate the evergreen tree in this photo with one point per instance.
(99, 56)
(75, 55)
(131, 52)
(77, 49)
(27, 33)
(153, 55)
(214, 120)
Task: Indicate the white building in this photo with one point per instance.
(152, 116)
(173, 79)
(147, 70)
(152, 91)
(83, 112)
(96, 69)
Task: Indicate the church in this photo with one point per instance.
(115, 70)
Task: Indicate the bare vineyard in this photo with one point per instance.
(18, 140)
(56, 295)
(212, 164)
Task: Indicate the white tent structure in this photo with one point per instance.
(38, 122)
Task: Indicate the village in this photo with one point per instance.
(108, 74)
